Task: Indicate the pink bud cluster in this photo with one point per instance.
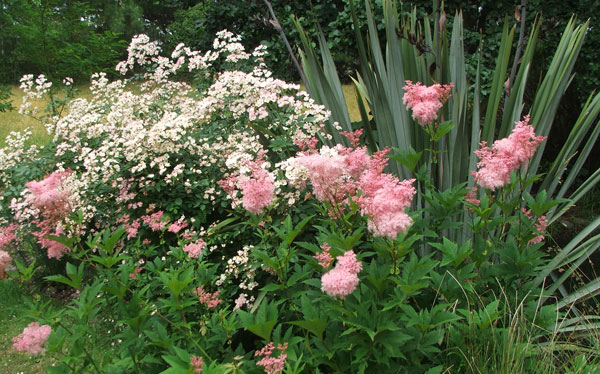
(271, 364)
(342, 280)
(540, 226)
(4, 262)
(211, 300)
(197, 364)
(175, 227)
(194, 250)
(32, 339)
(324, 258)
(134, 274)
(131, 227)
(425, 101)
(155, 221)
(7, 234)
(508, 154)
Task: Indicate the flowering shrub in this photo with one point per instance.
(218, 231)
(127, 155)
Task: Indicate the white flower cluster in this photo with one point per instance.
(239, 268)
(13, 154)
(164, 131)
(42, 87)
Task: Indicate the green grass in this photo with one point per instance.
(13, 121)
(12, 322)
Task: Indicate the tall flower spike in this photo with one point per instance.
(505, 155)
(342, 280)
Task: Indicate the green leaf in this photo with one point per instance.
(263, 329)
(408, 158)
(315, 326)
(442, 130)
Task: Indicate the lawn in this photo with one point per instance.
(13, 323)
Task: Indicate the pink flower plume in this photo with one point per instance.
(32, 339)
(342, 280)
(425, 101)
(505, 155)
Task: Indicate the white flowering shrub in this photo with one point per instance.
(150, 143)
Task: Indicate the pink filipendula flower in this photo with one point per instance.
(494, 168)
(342, 280)
(353, 137)
(55, 249)
(308, 145)
(540, 226)
(32, 339)
(132, 228)
(49, 196)
(7, 234)
(471, 196)
(325, 171)
(175, 227)
(135, 273)
(505, 155)
(258, 191)
(188, 234)
(270, 363)
(229, 184)
(211, 300)
(425, 101)
(357, 162)
(348, 262)
(146, 242)
(197, 364)
(194, 250)
(521, 143)
(4, 262)
(53, 203)
(384, 200)
(154, 221)
(324, 258)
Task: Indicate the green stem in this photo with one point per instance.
(186, 332)
(83, 348)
